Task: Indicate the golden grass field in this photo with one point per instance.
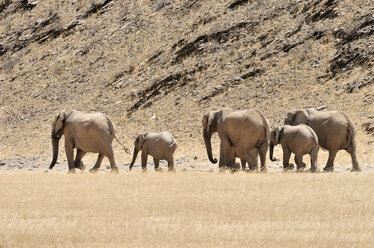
(186, 209)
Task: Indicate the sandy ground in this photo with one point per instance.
(182, 164)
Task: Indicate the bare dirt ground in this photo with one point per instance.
(198, 162)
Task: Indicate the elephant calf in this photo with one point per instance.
(300, 140)
(158, 145)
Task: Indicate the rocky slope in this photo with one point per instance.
(161, 64)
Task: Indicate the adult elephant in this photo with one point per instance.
(87, 132)
(243, 133)
(334, 129)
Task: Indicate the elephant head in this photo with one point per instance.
(209, 127)
(274, 140)
(138, 143)
(57, 132)
(295, 117)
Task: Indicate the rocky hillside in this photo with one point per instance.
(161, 64)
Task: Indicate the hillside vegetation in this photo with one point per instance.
(161, 64)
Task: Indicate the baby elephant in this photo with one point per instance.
(158, 145)
(300, 140)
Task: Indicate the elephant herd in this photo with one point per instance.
(245, 134)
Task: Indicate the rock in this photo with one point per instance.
(368, 127)
(321, 107)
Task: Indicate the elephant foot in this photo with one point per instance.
(222, 169)
(114, 170)
(172, 170)
(313, 170)
(159, 169)
(71, 171)
(81, 166)
(233, 170)
(300, 170)
(328, 169)
(356, 170)
(289, 168)
(94, 170)
(252, 170)
(263, 170)
(302, 166)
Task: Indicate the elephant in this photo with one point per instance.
(87, 132)
(334, 129)
(300, 140)
(158, 145)
(243, 133)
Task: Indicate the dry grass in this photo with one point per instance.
(186, 210)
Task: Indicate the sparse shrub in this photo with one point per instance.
(159, 4)
(9, 65)
(58, 67)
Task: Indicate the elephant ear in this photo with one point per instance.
(208, 120)
(141, 140)
(277, 132)
(301, 117)
(60, 119)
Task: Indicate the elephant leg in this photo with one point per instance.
(286, 159)
(299, 162)
(100, 158)
(252, 159)
(70, 157)
(226, 157)
(263, 149)
(78, 159)
(330, 162)
(221, 162)
(313, 159)
(144, 160)
(351, 149)
(112, 161)
(157, 164)
(170, 164)
(244, 164)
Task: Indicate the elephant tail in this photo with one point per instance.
(112, 132)
(127, 150)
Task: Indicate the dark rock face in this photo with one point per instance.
(352, 48)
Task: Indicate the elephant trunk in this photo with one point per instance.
(272, 152)
(55, 142)
(135, 154)
(208, 146)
